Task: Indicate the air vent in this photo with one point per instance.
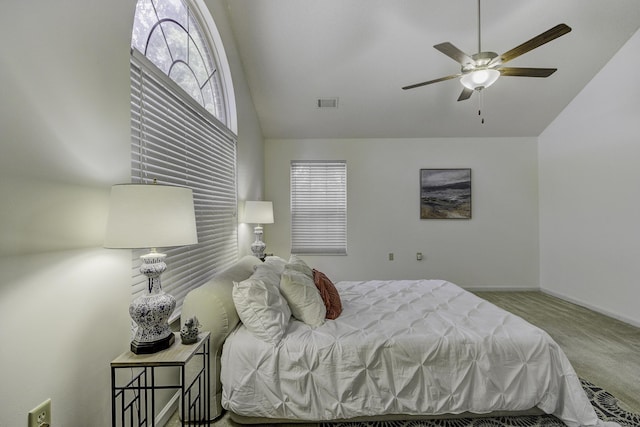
(327, 103)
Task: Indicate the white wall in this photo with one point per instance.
(250, 142)
(590, 192)
(64, 123)
(497, 248)
(64, 140)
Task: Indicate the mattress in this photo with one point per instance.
(403, 347)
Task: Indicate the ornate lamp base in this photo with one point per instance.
(151, 311)
(258, 246)
(152, 347)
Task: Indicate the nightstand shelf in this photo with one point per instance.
(137, 378)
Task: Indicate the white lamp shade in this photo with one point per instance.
(480, 79)
(150, 216)
(258, 212)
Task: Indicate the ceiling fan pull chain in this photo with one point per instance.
(481, 105)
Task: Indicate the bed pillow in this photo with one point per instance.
(329, 294)
(268, 273)
(261, 306)
(303, 297)
(296, 263)
(276, 262)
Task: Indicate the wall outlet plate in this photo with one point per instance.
(40, 416)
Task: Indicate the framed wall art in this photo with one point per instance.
(445, 193)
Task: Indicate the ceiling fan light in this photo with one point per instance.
(480, 79)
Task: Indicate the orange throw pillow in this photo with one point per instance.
(329, 294)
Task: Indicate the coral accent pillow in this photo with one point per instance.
(329, 294)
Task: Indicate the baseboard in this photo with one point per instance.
(592, 307)
(167, 412)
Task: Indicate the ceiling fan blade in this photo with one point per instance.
(454, 53)
(465, 94)
(526, 72)
(441, 79)
(539, 40)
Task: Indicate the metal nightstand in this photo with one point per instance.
(133, 396)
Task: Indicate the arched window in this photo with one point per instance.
(169, 35)
(180, 135)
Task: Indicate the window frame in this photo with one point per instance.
(156, 141)
(318, 203)
(196, 51)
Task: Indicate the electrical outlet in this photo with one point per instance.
(419, 256)
(40, 416)
(390, 256)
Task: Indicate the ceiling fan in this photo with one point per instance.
(481, 70)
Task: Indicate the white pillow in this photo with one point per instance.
(261, 307)
(268, 273)
(303, 297)
(296, 263)
(276, 262)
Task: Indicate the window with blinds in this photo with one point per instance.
(177, 141)
(319, 207)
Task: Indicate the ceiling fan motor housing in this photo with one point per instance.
(482, 60)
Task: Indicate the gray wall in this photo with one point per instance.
(497, 248)
(590, 192)
(64, 140)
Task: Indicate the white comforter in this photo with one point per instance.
(403, 347)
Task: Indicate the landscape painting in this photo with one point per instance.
(445, 193)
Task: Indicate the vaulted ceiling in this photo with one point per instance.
(363, 52)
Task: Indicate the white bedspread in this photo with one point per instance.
(403, 347)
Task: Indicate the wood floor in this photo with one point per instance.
(602, 350)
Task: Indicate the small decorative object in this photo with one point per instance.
(189, 332)
(445, 193)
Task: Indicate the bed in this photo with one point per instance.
(399, 349)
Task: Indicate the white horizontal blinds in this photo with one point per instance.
(319, 207)
(176, 141)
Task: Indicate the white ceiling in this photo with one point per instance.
(364, 51)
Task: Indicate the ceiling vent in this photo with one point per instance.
(327, 103)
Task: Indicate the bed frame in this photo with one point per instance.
(213, 304)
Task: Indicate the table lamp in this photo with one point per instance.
(258, 213)
(151, 216)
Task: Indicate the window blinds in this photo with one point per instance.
(176, 141)
(319, 207)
